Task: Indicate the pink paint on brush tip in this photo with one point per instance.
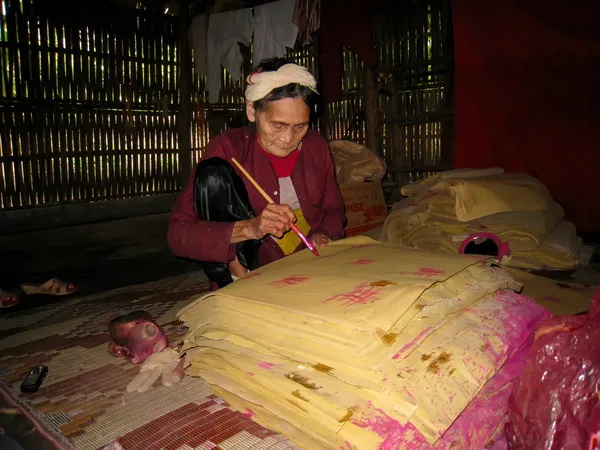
(304, 239)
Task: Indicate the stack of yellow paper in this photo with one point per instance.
(367, 346)
(440, 212)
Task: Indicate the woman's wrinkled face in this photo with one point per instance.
(282, 126)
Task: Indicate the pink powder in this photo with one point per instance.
(249, 413)
(250, 374)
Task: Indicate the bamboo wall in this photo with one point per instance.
(89, 100)
(416, 80)
(88, 104)
(415, 116)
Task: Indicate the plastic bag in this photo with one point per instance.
(556, 401)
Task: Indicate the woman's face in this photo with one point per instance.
(282, 126)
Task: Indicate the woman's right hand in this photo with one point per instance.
(275, 220)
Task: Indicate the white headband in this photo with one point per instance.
(261, 83)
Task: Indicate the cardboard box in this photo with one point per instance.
(365, 207)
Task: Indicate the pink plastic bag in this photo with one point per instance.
(556, 401)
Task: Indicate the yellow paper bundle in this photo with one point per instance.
(440, 212)
(366, 344)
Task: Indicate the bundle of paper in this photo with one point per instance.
(369, 346)
(441, 211)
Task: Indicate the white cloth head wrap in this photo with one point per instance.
(261, 83)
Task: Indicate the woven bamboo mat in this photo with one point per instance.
(83, 403)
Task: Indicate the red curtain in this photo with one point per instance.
(528, 95)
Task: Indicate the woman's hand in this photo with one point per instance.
(320, 239)
(274, 220)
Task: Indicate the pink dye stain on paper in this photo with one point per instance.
(394, 434)
(361, 261)
(362, 294)
(405, 351)
(267, 365)
(428, 271)
(252, 275)
(289, 281)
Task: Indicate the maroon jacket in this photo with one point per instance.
(314, 180)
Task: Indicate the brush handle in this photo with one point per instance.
(262, 192)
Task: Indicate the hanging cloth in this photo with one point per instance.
(275, 32)
(225, 31)
(197, 35)
(307, 16)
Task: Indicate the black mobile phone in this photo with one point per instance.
(34, 379)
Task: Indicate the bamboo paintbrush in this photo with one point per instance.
(304, 239)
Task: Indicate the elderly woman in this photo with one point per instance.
(221, 220)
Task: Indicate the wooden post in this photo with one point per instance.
(371, 108)
(185, 92)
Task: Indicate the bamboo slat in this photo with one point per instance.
(81, 104)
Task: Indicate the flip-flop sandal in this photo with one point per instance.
(51, 287)
(7, 300)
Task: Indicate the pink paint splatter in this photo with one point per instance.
(289, 281)
(267, 365)
(394, 434)
(429, 271)
(363, 261)
(249, 413)
(552, 299)
(411, 344)
(360, 295)
(410, 395)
